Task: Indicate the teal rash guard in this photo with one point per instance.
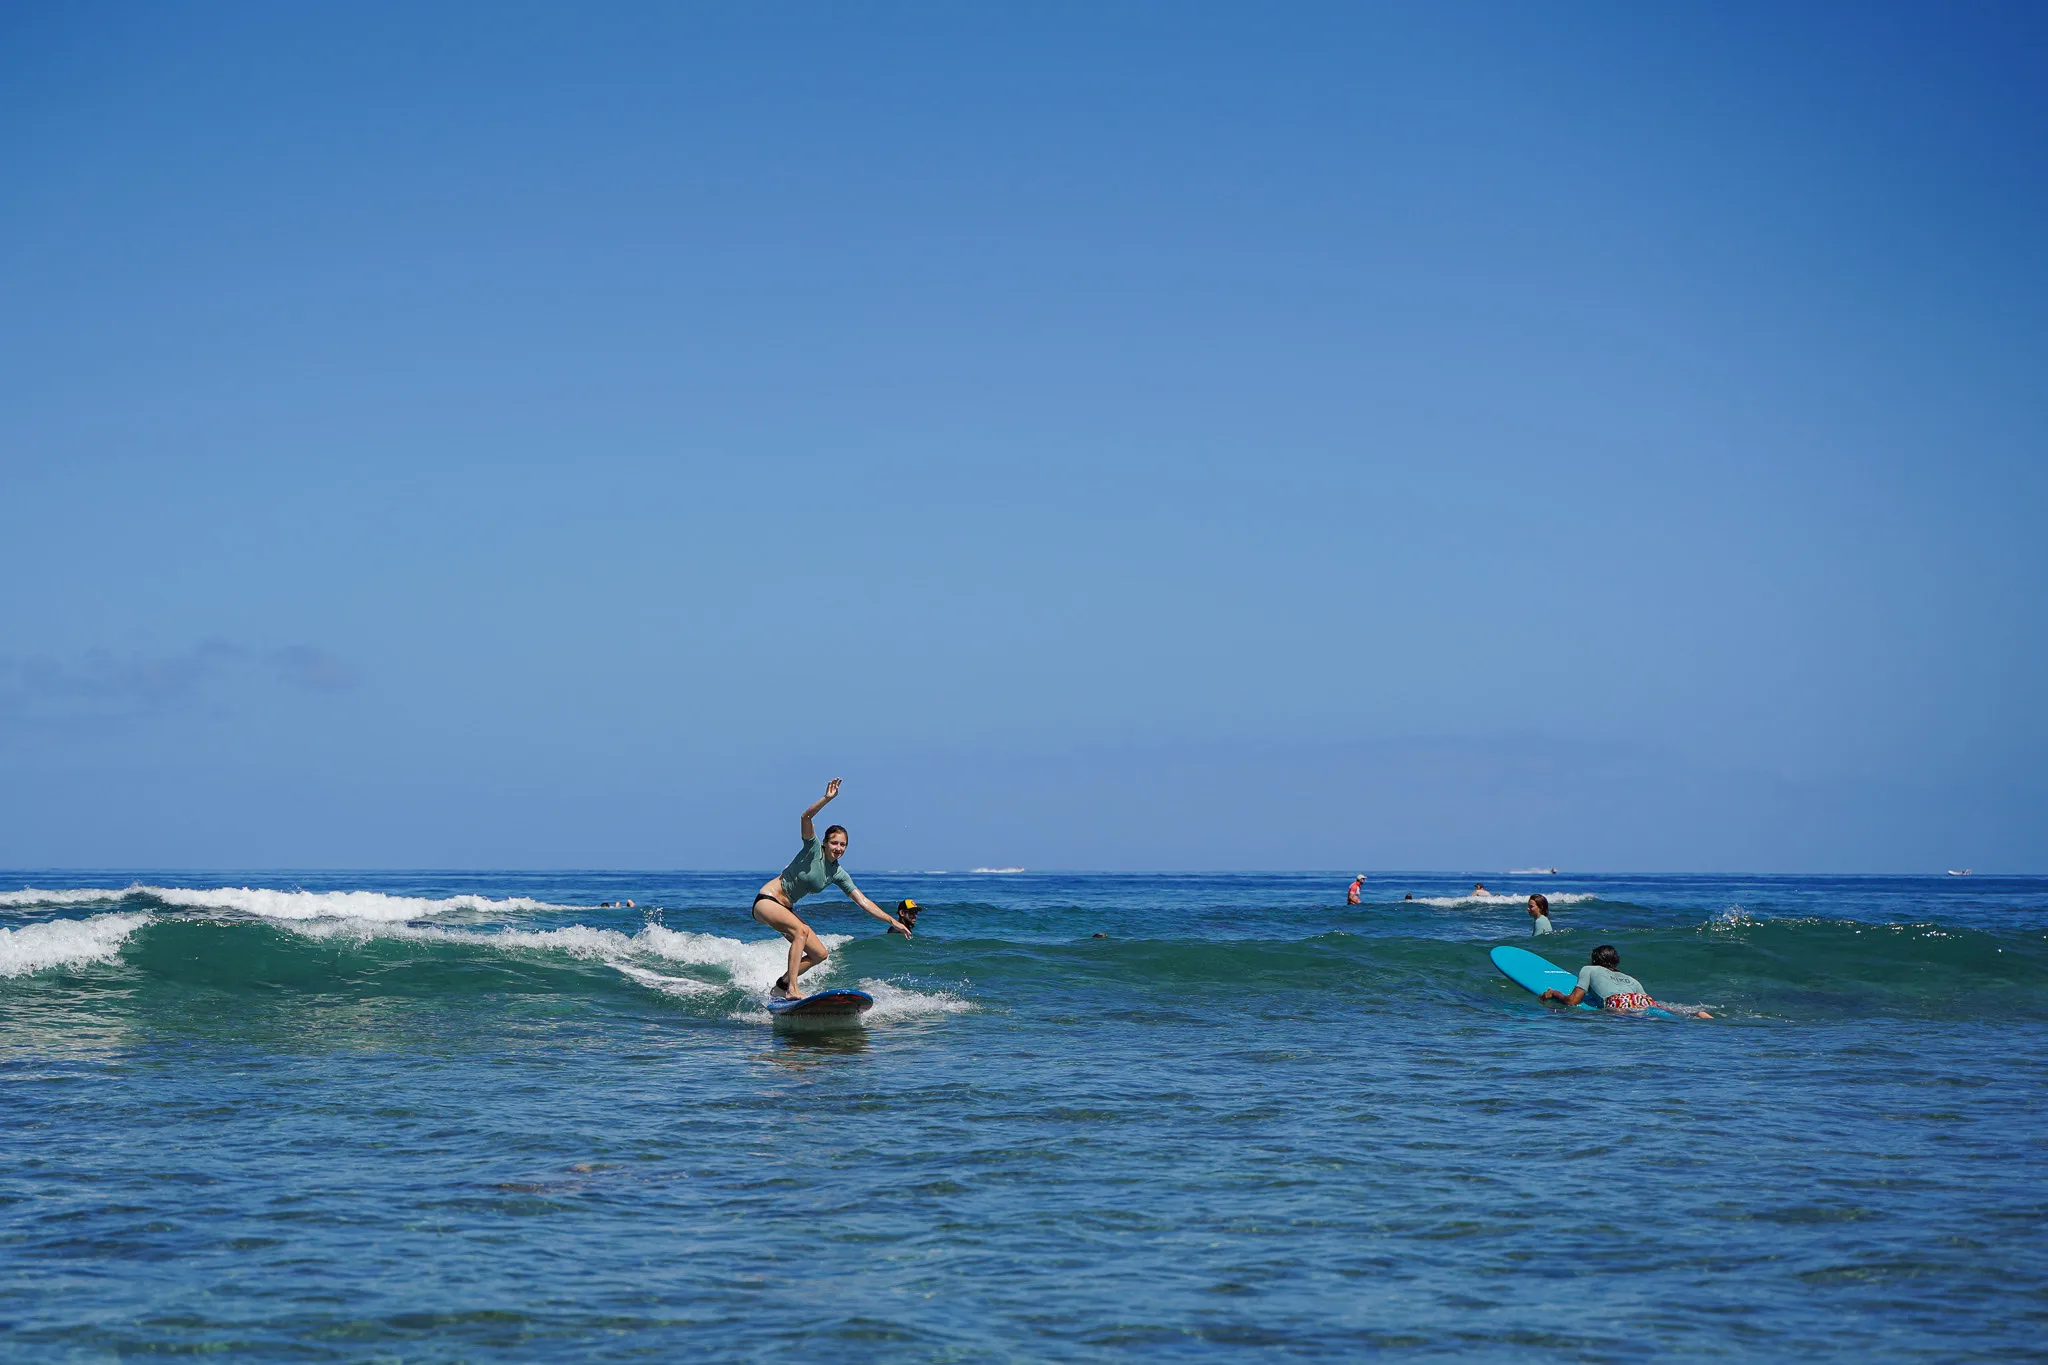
(1601, 982)
(810, 870)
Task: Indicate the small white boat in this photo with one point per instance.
(1532, 872)
(1964, 873)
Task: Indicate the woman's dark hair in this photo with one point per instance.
(831, 830)
(1541, 902)
(1605, 956)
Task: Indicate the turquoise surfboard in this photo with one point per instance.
(1537, 974)
(1534, 974)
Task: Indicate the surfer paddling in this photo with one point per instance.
(815, 865)
(1615, 989)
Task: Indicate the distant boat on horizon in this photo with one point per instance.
(1964, 873)
(1532, 872)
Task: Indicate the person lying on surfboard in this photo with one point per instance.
(1615, 989)
(814, 866)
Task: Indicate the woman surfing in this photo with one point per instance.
(810, 870)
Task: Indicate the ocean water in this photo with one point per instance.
(478, 1116)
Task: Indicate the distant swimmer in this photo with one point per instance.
(1615, 989)
(1539, 910)
(810, 870)
(1351, 897)
(1479, 889)
(1409, 897)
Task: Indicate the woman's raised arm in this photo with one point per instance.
(810, 831)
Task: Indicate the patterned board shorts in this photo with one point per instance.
(1627, 1000)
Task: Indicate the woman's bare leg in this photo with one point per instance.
(806, 949)
(815, 954)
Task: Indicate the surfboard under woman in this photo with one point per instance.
(814, 867)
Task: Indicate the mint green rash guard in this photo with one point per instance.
(810, 870)
(1602, 982)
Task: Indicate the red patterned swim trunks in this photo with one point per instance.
(1627, 1000)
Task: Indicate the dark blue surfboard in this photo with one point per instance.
(824, 1009)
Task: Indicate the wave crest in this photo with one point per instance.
(1454, 902)
(265, 903)
(65, 942)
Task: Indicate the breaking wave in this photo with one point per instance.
(265, 903)
(65, 942)
(1521, 898)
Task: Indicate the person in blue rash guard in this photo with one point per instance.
(815, 866)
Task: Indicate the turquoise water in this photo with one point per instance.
(476, 1116)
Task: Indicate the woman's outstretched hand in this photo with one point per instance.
(897, 926)
(832, 789)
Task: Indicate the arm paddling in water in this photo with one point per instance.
(815, 866)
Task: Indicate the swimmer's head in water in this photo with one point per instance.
(906, 910)
(1540, 903)
(835, 842)
(1605, 956)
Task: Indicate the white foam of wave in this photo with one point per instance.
(267, 903)
(893, 1002)
(65, 942)
(29, 895)
(667, 985)
(997, 871)
(356, 905)
(374, 906)
(1453, 902)
(750, 966)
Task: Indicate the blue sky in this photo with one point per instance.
(1108, 436)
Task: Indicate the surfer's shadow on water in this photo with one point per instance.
(806, 1049)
